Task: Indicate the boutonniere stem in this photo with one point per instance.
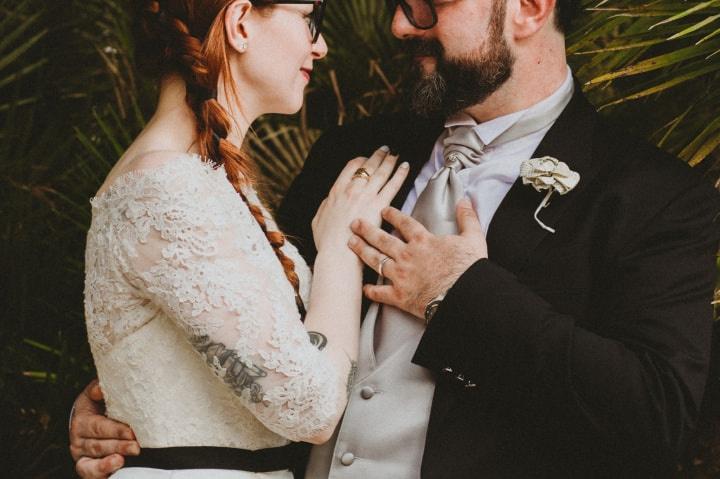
(551, 175)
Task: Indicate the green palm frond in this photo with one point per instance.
(361, 74)
(279, 148)
(662, 54)
(23, 29)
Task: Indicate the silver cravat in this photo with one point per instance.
(435, 207)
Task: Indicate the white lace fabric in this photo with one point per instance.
(174, 258)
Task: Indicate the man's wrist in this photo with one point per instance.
(432, 306)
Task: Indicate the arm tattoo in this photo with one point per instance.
(351, 377)
(239, 375)
(318, 340)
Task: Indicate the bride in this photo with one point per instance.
(206, 338)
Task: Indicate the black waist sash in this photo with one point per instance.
(205, 457)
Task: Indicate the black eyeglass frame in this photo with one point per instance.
(407, 10)
(317, 13)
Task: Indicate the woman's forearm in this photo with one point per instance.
(335, 303)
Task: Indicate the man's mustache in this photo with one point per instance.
(416, 47)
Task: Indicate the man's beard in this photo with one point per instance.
(456, 84)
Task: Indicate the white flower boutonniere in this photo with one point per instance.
(551, 175)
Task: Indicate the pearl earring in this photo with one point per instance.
(243, 46)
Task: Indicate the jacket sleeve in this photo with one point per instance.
(637, 390)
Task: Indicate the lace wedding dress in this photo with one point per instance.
(191, 320)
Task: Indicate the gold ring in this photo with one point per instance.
(382, 263)
(361, 173)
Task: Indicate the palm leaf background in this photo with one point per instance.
(70, 102)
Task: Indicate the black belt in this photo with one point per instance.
(290, 457)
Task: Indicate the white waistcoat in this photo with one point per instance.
(382, 433)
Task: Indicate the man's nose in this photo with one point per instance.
(401, 27)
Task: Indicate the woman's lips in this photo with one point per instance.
(307, 73)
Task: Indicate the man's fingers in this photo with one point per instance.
(383, 294)
(377, 238)
(99, 427)
(467, 219)
(409, 227)
(371, 257)
(89, 468)
(99, 448)
(89, 401)
(94, 392)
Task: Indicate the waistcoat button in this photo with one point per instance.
(347, 458)
(367, 392)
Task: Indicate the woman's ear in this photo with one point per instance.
(237, 15)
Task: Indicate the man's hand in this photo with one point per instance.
(421, 265)
(97, 443)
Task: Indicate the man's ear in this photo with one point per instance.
(237, 15)
(530, 16)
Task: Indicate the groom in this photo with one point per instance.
(560, 339)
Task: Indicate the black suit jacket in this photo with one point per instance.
(588, 348)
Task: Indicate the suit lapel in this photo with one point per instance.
(513, 233)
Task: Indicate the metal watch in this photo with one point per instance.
(432, 307)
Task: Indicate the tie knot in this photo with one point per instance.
(463, 147)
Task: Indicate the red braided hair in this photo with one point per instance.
(188, 37)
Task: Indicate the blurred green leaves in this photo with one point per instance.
(657, 63)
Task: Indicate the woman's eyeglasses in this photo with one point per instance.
(420, 13)
(315, 18)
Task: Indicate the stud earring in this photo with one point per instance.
(243, 46)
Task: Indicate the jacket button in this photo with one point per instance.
(347, 459)
(367, 392)
(447, 370)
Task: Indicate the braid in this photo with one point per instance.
(277, 240)
(200, 64)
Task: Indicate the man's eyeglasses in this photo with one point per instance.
(315, 18)
(420, 13)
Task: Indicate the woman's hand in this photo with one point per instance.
(357, 196)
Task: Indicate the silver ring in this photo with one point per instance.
(382, 263)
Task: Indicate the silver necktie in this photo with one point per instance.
(435, 207)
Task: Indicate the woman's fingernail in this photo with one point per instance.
(404, 164)
(385, 148)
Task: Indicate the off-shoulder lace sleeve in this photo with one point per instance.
(192, 249)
